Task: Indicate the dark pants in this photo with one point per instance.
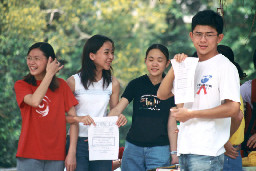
(82, 158)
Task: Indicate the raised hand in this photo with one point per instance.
(53, 66)
(180, 57)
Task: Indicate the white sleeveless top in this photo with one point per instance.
(93, 102)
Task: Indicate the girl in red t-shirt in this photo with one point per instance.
(43, 100)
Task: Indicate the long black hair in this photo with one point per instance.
(48, 51)
(88, 69)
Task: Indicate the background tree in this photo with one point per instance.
(133, 25)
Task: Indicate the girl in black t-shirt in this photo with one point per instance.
(147, 143)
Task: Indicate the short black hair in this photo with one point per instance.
(208, 18)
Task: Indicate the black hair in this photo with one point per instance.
(227, 52)
(208, 18)
(48, 51)
(195, 54)
(161, 47)
(88, 69)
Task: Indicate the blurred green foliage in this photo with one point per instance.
(133, 25)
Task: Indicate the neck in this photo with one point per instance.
(98, 75)
(155, 80)
(207, 56)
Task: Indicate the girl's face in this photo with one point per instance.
(156, 62)
(103, 57)
(37, 63)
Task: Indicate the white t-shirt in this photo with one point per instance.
(93, 102)
(216, 79)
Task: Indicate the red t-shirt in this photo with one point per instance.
(43, 131)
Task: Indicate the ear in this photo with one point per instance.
(168, 63)
(191, 36)
(220, 37)
(92, 56)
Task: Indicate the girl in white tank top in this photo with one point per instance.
(94, 88)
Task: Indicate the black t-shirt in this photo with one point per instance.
(150, 114)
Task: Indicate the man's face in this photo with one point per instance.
(205, 40)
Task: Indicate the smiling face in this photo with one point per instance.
(156, 63)
(205, 40)
(37, 63)
(103, 57)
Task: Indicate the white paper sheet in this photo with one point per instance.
(184, 79)
(103, 139)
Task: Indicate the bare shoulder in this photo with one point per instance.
(71, 83)
(115, 82)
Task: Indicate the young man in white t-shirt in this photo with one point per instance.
(205, 123)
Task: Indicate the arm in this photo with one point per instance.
(235, 122)
(114, 98)
(231, 151)
(117, 111)
(87, 120)
(173, 135)
(165, 88)
(70, 161)
(228, 109)
(36, 98)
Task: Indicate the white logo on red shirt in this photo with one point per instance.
(43, 108)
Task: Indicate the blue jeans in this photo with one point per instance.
(136, 158)
(233, 164)
(82, 158)
(191, 162)
(26, 164)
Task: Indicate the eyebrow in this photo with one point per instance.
(161, 57)
(205, 32)
(109, 49)
(33, 56)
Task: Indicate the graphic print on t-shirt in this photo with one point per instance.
(43, 108)
(203, 84)
(149, 102)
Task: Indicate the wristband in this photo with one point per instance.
(173, 152)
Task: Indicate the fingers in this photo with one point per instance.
(251, 142)
(180, 57)
(173, 111)
(87, 120)
(53, 66)
(230, 155)
(70, 167)
(121, 120)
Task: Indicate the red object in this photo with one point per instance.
(121, 151)
(43, 132)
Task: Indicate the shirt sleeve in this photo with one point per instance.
(246, 91)
(69, 98)
(21, 90)
(129, 91)
(229, 85)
